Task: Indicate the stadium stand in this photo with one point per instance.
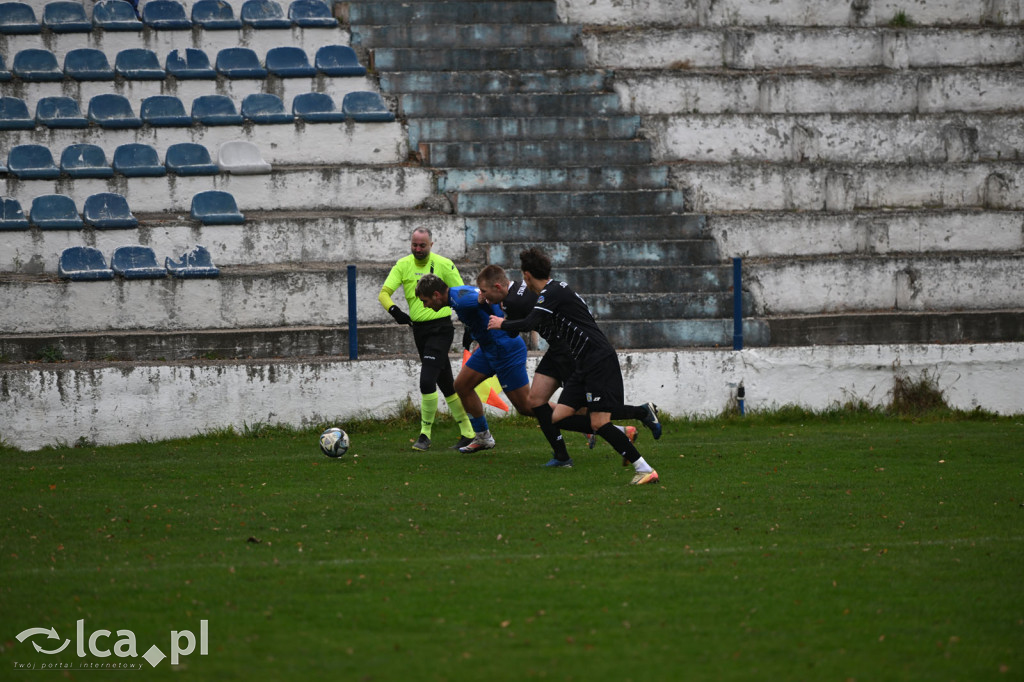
(366, 107)
(138, 160)
(83, 160)
(18, 18)
(215, 110)
(5, 73)
(36, 64)
(55, 212)
(164, 111)
(239, 62)
(264, 14)
(139, 64)
(108, 211)
(83, 264)
(136, 262)
(265, 107)
(311, 14)
(338, 60)
(166, 15)
(189, 63)
(289, 62)
(113, 111)
(88, 64)
(215, 15)
(115, 15)
(60, 112)
(240, 157)
(216, 207)
(66, 17)
(316, 107)
(14, 114)
(193, 264)
(12, 216)
(189, 158)
(32, 162)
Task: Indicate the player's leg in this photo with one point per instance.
(430, 368)
(541, 390)
(472, 374)
(603, 383)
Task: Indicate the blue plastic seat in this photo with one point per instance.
(115, 15)
(64, 16)
(5, 73)
(18, 17)
(108, 211)
(193, 264)
(316, 107)
(164, 111)
(289, 62)
(14, 114)
(366, 107)
(32, 162)
(264, 107)
(83, 264)
(136, 262)
(137, 160)
(165, 15)
(338, 60)
(139, 64)
(36, 64)
(111, 110)
(85, 161)
(190, 158)
(264, 14)
(214, 207)
(215, 110)
(240, 62)
(190, 63)
(12, 217)
(215, 15)
(60, 112)
(55, 212)
(311, 14)
(88, 64)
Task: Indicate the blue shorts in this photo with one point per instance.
(509, 366)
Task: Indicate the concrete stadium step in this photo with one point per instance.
(433, 13)
(645, 279)
(806, 187)
(447, 105)
(569, 203)
(549, 179)
(984, 326)
(622, 253)
(837, 137)
(495, 82)
(552, 228)
(511, 128)
(643, 307)
(967, 90)
(683, 333)
(227, 344)
(466, 35)
(468, 59)
(535, 153)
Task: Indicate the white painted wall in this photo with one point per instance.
(44, 405)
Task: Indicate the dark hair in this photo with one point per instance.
(492, 274)
(535, 262)
(428, 284)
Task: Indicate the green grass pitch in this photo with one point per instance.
(786, 547)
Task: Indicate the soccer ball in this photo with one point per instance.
(334, 442)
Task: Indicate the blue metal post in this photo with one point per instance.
(737, 304)
(353, 332)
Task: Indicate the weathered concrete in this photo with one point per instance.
(124, 403)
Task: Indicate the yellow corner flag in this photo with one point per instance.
(489, 389)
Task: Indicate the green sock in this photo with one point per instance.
(459, 415)
(428, 408)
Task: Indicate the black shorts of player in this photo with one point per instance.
(598, 387)
(556, 364)
(434, 339)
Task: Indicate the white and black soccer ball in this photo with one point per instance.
(334, 442)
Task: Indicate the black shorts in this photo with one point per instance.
(434, 339)
(557, 364)
(598, 387)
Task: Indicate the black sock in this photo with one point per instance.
(637, 412)
(620, 441)
(575, 422)
(550, 431)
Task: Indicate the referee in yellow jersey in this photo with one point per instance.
(432, 331)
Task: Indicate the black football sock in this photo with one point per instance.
(637, 412)
(550, 431)
(575, 422)
(618, 440)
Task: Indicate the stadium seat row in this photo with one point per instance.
(108, 211)
(86, 264)
(91, 64)
(134, 160)
(117, 15)
(111, 110)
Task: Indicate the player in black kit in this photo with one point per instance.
(560, 315)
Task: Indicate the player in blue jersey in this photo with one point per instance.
(497, 353)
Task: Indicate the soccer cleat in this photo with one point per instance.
(591, 440)
(481, 442)
(642, 479)
(650, 420)
(422, 443)
(463, 442)
(564, 463)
